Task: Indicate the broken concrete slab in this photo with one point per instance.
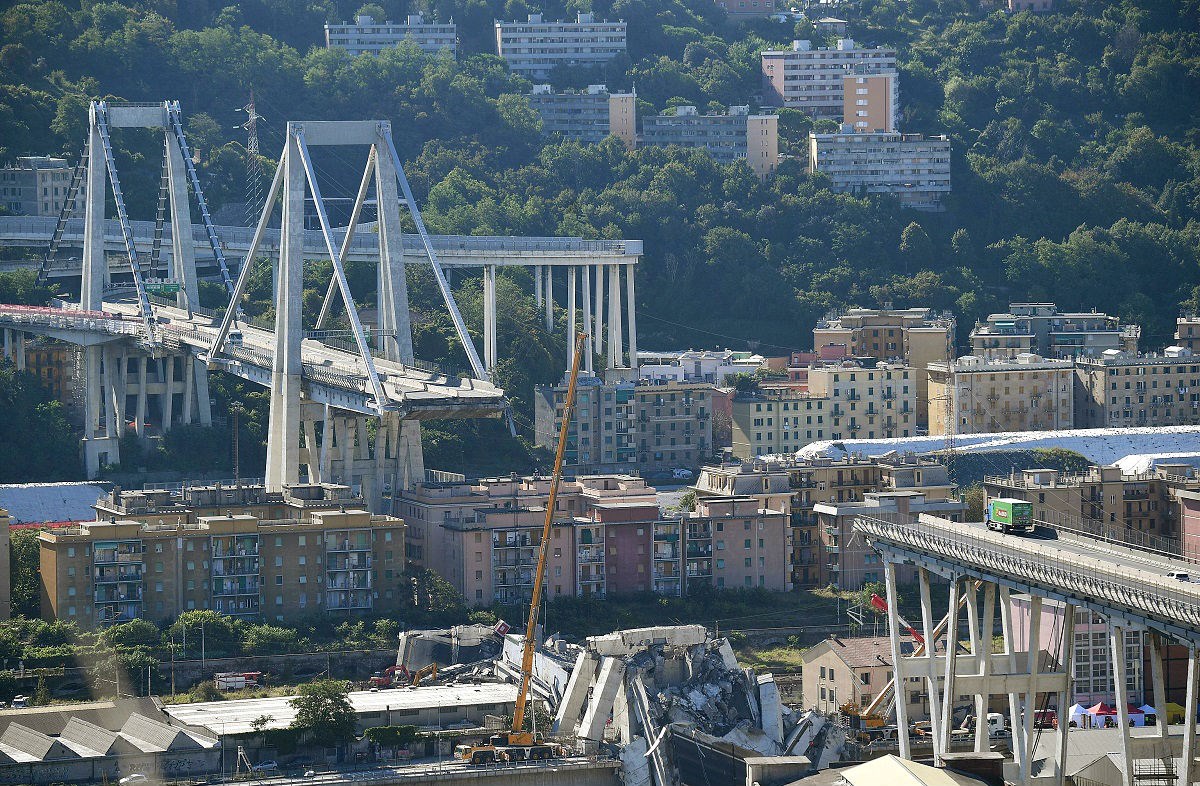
(624, 643)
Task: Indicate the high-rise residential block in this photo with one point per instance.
(913, 168)
(37, 186)
(1119, 389)
(586, 116)
(736, 135)
(1043, 329)
(812, 79)
(972, 395)
(916, 336)
(871, 100)
(534, 48)
(644, 425)
(332, 561)
(747, 9)
(369, 36)
(774, 419)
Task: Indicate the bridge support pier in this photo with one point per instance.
(14, 348)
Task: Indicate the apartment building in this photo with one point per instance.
(54, 364)
(847, 561)
(917, 336)
(797, 486)
(867, 399)
(812, 79)
(534, 48)
(1042, 329)
(586, 116)
(746, 9)
(841, 671)
(1189, 523)
(37, 186)
(972, 395)
(871, 100)
(333, 561)
(608, 537)
(1120, 390)
(776, 419)
(1187, 332)
(1140, 508)
(651, 426)
(366, 36)
(913, 168)
(736, 135)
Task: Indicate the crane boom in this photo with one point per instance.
(555, 479)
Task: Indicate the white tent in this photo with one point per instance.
(1079, 714)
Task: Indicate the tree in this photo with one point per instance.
(324, 711)
(36, 442)
(41, 696)
(261, 722)
(976, 499)
(24, 576)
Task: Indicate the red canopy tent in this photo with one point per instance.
(1102, 709)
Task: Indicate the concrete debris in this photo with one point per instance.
(653, 682)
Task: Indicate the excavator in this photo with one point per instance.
(395, 676)
(516, 744)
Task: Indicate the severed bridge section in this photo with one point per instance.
(1033, 668)
(346, 397)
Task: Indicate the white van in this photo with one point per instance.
(1180, 575)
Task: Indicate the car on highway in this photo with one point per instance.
(1180, 575)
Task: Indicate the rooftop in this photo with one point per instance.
(861, 652)
(42, 502)
(236, 717)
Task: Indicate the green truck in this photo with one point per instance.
(1010, 515)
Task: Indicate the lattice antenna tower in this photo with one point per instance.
(254, 172)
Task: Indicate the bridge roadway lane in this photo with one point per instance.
(415, 388)
(1100, 575)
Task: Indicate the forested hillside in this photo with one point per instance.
(1076, 174)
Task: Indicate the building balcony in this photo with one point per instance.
(232, 589)
(666, 554)
(116, 558)
(115, 595)
(697, 550)
(103, 576)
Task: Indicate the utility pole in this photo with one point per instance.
(235, 411)
(254, 173)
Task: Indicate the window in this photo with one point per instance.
(279, 581)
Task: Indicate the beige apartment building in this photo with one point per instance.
(333, 561)
(1120, 390)
(1135, 507)
(1187, 332)
(917, 336)
(1042, 329)
(871, 100)
(841, 671)
(37, 186)
(867, 401)
(797, 486)
(775, 419)
(972, 395)
(734, 135)
(371, 36)
(811, 79)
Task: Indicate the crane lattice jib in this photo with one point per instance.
(64, 215)
(174, 113)
(123, 217)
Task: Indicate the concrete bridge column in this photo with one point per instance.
(1014, 697)
(948, 691)
(931, 675)
(189, 385)
(139, 423)
(549, 299)
(183, 250)
(14, 347)
(1189, 771)
(631, 312)
(572, 285)
(283, 437)
(981, 647)
(598, 332)
(1066, 696)
(1121, 696)
(537, 286)
(898, 661)
(1031, 693)
(615, 340)
(590, 349)
(166, 372)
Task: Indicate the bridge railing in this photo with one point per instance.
(1171, 548)
(1039, 563)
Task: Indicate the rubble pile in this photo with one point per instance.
(714, 698)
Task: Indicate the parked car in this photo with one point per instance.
(136, 777)
(681, 474)
(270, 765)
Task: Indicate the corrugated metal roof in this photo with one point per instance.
(40, 502)
(33, 743)
(150, 735)
(91, 736)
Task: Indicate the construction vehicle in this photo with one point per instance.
(420, 674)
(390, 677)
(1010, 515)
(860, 720)
(516, 744)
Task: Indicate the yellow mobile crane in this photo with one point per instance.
(518, 744)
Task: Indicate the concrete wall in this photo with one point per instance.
(166, 766)
(356, 665)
